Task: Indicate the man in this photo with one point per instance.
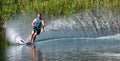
(37, 24)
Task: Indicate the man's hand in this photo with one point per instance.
(33, 27)
(43, 28)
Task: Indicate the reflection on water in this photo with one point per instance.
(24, 53)
(67, 49)
(36, 54)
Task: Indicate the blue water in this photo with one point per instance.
(68, 49)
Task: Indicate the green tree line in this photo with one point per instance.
(52, 7)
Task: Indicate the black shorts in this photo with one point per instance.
(36, 30)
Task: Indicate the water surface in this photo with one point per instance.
(67, 49)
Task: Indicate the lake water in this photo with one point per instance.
(68, 45)
(66, 49)
(84, 48)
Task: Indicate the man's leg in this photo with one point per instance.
(34, 37)
(35, 34)
(31, 36)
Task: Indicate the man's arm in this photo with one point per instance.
(43, 24)
(33, 22)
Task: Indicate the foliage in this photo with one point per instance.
(52, 7)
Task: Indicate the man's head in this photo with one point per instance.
(39, 15)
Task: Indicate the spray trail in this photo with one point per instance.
(13, 36)
(18, 28)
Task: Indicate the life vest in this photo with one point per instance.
(38, 23)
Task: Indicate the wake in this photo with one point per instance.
(113, 37)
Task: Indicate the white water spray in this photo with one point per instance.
(18, 28)
(13, 36)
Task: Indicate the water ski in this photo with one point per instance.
(28, 43)
(22, 41)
